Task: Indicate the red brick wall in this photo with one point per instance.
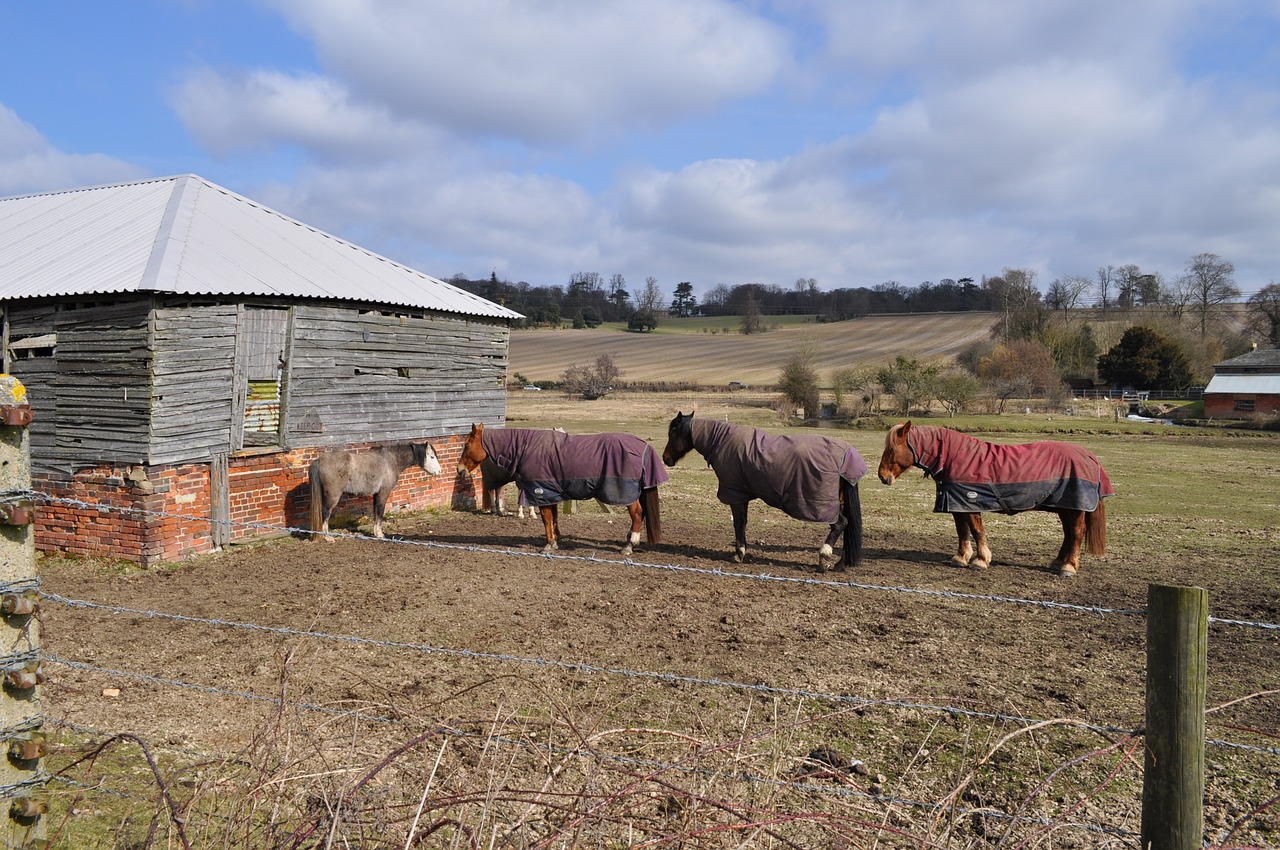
(161, 513)
(1223, 405)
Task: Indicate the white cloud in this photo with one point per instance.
(28, 163)
(550, 71)
(261, 109)
(923, 139)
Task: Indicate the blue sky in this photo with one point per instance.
(687, 140)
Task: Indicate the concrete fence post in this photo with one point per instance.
(1173, 779)
(21, 717)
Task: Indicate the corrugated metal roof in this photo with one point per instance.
(1248, 384)
(188, 236)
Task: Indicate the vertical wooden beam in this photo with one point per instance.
(21, 716)
(1173, 780)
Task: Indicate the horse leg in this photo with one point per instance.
(826, 555)
(551, 528)
(964, 546)
(326, 511)
(739, 532)
(983, 559)
(1068, 560)
(379, 506)
(637, 519)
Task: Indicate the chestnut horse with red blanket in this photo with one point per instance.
(550, 467)
(974, 476)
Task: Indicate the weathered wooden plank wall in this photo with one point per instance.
(91, 398)
(191, 402)
(359, 375)
(143, 380)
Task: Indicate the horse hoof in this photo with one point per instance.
(978, 564)
(1067, 572)
(626, 550)
(957, 561)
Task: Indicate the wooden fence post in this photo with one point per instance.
(21, 718)
(1173, 779)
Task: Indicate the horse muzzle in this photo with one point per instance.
(886, 477)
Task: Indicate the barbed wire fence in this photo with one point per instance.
(947, 809)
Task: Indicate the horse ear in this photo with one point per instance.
(906, 426)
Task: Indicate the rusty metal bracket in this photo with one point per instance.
(28, 746)
(28, 808)
(20, 604)
(15, 414)
(25, 677)
(17, 513)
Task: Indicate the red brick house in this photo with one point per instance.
(187, 352)
(1245, 386)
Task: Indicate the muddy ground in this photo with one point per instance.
(459, 622)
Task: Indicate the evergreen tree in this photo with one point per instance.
(1145, 359)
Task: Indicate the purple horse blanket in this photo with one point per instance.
(975, 476)
(799, 475)
(552, 466)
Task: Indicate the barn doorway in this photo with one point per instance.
(261, 378)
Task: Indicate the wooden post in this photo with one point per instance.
(1173, 780)
(21, 718)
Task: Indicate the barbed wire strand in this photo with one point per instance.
(631, 562)
(579, 667)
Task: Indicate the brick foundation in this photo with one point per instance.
(152, 514)
(1223, 405)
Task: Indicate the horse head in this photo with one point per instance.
(473, 453)
(897, 457)
(679, 438)
(424, 455)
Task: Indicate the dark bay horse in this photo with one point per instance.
(335, 474)
(808, 476)
(974, 476)
(550, 466)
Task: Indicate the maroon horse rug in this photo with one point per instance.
(551, 466)
(975, 476)
(799, 475)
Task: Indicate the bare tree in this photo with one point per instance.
(1067, 293)
(798, 380)
(649, 299)
(1209, 282)
(752, 322)
(1264, 313)
(591, 382)
(1106, 276)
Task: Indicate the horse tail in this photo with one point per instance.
(1095, 529)
(317, 497)
(652, 515)
(851, 507)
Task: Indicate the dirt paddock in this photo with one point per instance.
(678, 698)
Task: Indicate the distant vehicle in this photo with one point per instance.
(738, 385)
(534, 387)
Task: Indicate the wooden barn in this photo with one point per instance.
(187, 352)
(1245, 386)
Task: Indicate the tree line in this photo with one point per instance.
(588, 299)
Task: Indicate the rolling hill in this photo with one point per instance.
(700, 357)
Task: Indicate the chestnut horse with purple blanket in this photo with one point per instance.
(550, 467)
(974, 476)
